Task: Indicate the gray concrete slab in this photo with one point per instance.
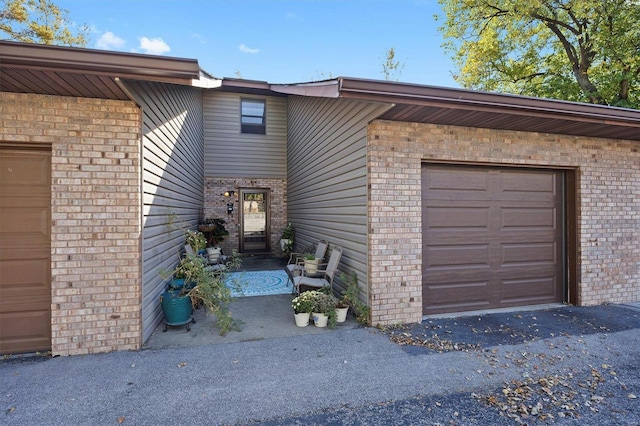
(261, 317)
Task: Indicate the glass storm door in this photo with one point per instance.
(255, 220)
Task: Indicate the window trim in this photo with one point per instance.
(252, 128)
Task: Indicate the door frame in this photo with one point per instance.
(267, 196)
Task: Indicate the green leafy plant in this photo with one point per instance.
(196, 240)
(287, 238)
(325, 303)
(351, 298)
(304, 303)
(208, 288)
(288, 233)
(214, 229)
(309, 256)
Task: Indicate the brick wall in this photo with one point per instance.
(608, 192)
(215, 206)
(95, 215)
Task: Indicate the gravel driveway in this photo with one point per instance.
(564, 365)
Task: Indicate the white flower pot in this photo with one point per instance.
(341, 314)
(302, 319)
(311, 266)
(284, 244)
(320, 320)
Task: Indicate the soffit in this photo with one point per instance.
(459, 107)
(427, 104)
(65, 71)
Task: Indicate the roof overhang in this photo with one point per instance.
(459, 107)
(70, 71)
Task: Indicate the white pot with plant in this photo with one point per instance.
(302, 306)
(324, 309)
(310, 263)
(286, 240)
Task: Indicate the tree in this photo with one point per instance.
(579, 50)
(391, 69)
(39, 21)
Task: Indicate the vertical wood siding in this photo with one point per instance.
(173, 182)
(229, 153)
(327, 176)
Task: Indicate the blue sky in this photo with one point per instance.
(279, 41)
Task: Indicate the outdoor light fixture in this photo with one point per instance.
(229, 205)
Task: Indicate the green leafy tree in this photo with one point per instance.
(579, 50)
(39, 21)
(391, 68)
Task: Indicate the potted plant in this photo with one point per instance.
(310, 263)
(286, 240)
(324, 309)
(196, 240)
(203, 286)
(302, 306)
(342, 310)
(350, 297)
(214, 231)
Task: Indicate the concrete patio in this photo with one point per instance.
(261, 317)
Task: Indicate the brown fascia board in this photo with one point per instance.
(402, 93)
(99, 62)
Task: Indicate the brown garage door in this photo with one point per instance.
(493, 237)
(25, 250)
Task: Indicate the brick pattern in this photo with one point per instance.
(608, 206)
(95, 238)
(215, 206)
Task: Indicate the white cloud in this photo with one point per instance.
(199, 38)
(246, 49)
(154, 46)
(109, 41)
(294, 16)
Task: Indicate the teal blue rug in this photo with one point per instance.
(259, 283)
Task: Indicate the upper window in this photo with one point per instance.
(253, 116)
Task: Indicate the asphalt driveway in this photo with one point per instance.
(557, 366)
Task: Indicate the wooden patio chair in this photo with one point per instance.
(327, 272)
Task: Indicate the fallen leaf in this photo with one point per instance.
(182, 364)
(11, 410)
(121, 420)
(631, 396)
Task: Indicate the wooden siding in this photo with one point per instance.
(173, 183)
(327, 176)
(229, 153)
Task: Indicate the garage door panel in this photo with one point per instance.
(25, 169)
(440, 181)
(26, 225)
(453, 218)
(529, 254)
(509, 240)
(529, 219)
(459, 256)
(542, 289)
(443, 296)
(528, 182)
(25, 332)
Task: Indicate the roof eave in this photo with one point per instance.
(403, 93)
(98, 62)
